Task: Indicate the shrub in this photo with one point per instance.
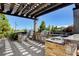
(14, 36)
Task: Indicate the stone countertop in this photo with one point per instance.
(58, 40)
(74, 37)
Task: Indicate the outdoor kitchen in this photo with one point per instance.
(62, 46)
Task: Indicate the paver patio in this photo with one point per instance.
(15, 48)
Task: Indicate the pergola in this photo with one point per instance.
(30, 10)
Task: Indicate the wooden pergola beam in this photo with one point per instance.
(15, 7)
(46, 8)
(27, 9)
(44, 5)
(50, 9)
(33, 7)
(11, 7)
(2, 7)
(18, 15)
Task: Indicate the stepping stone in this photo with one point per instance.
(32, 47)
(10, 54)
(35, 49)
(20, 48)
(28, 45)
(24, 53)
(23, 50)
(42, 46)
(39, 44)
(29, 55)
(38, 51)
(8, 51)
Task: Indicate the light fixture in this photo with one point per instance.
(27, 3)
(31, 9)
(24, 14)
(19, 13)
(29, 16)
(35, 6)
(49, 3)
(17, 5)
(33, 17)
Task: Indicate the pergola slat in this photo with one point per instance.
(26, 9)
(11, 7)
(15, 8)
(6, 7)
(45, 5)
(22, 10)
(29, 10)
(2, 7)
(32, 8)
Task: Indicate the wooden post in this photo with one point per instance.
(35, 28)
(76, 19)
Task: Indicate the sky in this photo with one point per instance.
(62, 17)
